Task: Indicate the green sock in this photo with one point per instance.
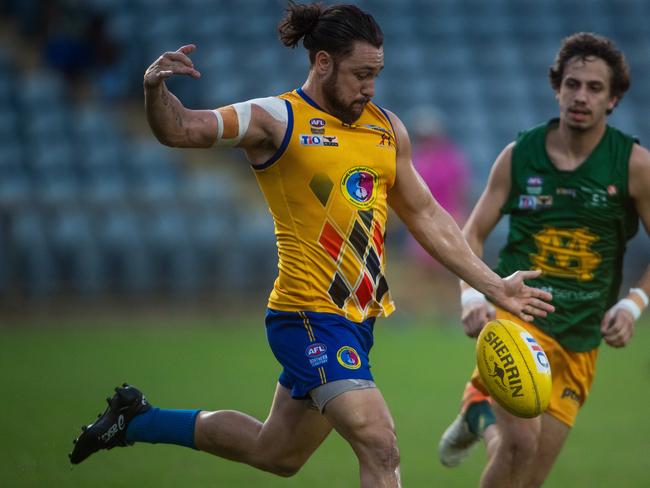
(479, 417)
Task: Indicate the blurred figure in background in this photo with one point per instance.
(442, 165)
(445, 170)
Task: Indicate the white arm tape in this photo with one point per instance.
(470, 295)
(217, 114)
(243, 111)
(274, 106)
(642, 295)
(628, 305)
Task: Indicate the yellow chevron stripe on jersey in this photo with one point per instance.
(326, 189)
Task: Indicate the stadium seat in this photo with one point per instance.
(128, 262)
(76, 253)
(32, 265)
(175, 265)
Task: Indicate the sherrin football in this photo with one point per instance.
(514, 368)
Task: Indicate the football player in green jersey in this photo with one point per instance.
(575, 189)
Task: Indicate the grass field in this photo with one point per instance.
(54, 379)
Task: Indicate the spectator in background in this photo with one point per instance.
(443, 167)
(78, 45)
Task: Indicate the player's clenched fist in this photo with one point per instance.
(171, 63)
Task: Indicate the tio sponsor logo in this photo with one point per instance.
(307, 140)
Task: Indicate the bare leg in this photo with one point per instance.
(362, 418)
(281, 444)
(554, 434)
(511, 452)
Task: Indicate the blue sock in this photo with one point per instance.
(165, 426)
(479, 417)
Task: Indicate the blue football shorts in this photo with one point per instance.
(318, 348)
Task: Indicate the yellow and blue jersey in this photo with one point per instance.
(326, 188)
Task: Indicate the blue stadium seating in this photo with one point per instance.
(92, 207)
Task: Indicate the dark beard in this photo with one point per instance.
(338, 109)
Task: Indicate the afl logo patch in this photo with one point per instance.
(317, 123)
(315, 350)
(359, 186)
(348, 358)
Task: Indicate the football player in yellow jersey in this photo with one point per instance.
(329, 162)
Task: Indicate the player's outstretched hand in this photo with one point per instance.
(522, 300)
(171, 63)
(617, 327)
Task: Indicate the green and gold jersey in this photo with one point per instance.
(573, 225)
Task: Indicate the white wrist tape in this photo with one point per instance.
(470, 295)
(641, 294)
(628, 305)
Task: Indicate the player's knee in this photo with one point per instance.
(378, 446)
(285, 467)
(519, 446)
(286, 470)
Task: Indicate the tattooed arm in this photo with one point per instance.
(172, 123)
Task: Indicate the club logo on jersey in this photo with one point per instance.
(359, 185)
(316, 353)
(330, 141)
(348, 358)
(612, 190)
(534, 185)
(566, 253)
(317, 125)
(541, 361)
(386, 140)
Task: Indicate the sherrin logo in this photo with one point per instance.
(348, 357)
(358, 186)
(507, 371)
